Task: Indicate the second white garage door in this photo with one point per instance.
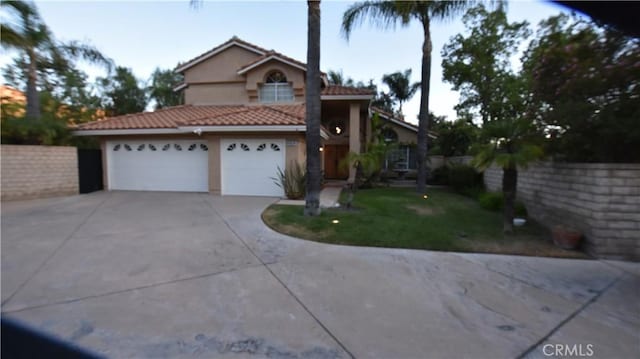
(248, 166)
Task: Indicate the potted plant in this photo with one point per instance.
(566, 237)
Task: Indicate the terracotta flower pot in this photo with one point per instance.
(566, 237)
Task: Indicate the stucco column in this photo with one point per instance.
(354, 134)
(215, 165)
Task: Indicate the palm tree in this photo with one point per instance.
(400, 87)
(312, 101)
(511, 141)
(31, 36)
(387, 14)
(338, 78)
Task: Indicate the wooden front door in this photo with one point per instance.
(333, 156)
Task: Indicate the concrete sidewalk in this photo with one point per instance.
(329, 198)
(185, 275)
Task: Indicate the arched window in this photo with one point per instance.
(389, 135)
(276, 88)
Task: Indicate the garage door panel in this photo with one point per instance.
(154, 165)
(249, 165)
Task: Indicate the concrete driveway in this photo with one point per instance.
(164, 275)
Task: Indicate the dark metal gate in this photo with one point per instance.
(90, 170)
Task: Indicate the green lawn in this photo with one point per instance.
(400, 218)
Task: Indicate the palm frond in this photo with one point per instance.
(11, 38)
(381, 14)
(78, 50)
(23, 8)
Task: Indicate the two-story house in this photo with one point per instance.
(243, 118)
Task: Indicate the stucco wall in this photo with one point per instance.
(216, 94)
(602, 200)
(38, 171)
(223, 67)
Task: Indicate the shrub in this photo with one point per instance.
(293, 180)
(464, 177)
(439, 176)
(42, 131)
(494, 201)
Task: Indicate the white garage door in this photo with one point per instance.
(154, 165)
(248, 166)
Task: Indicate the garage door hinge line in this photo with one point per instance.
(279, 280)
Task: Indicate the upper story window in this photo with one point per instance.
(276, 88)
(389, 135)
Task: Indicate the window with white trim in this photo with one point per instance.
(276, 88)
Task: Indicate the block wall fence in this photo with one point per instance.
(38, 171)
(602, 200)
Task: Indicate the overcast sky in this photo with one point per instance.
(144, 35)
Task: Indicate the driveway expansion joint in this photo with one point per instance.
(569, 318)
(154, 285)
(264, 264)
(55, 251)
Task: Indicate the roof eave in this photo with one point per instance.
(130, 131)
(245, 128)
(346, 97)
(180, 87)
(265, 60)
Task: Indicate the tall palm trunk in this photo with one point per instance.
(509, 183)
(33, 99)
(312, 98)
(423, 117)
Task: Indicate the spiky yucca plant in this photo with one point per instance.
(293, 180)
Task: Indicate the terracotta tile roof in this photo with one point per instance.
(252, 116)
(189, 115)
(389, 114)
(235, 39)
(334, 90)
(400, 120)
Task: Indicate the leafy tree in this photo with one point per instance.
(313, 107)
(508, 136)
(454, 138)
(39, 51)
(383, 101)
(161, 90)
(585, 82)
(387, 14)
(474, 64)
(48, 130)
(400, 87)
(122, 93)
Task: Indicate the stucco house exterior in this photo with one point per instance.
(244, 116)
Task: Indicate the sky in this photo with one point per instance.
(143, 35)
